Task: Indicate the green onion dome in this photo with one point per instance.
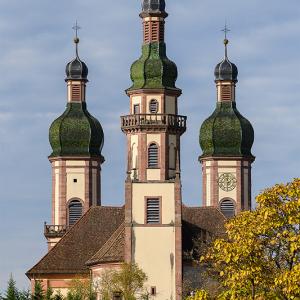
(153, 70)
(76, 133)
(226, 133)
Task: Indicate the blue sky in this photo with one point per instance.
(35, 45)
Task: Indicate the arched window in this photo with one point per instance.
(153, 156)
(227, 208)
(75, 211)
(153, 106)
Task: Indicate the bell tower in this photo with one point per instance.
(76, 138)
(226, 139)
(153, 129)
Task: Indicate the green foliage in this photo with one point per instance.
(12, 291)
(81, 289)
(49, 294)
(38, 293)
(129, 280)
(24, 295)
(58, 296)
(260, 258)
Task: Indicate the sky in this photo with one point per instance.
(35, 45)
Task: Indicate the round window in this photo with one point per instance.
(153, 106)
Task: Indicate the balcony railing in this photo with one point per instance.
(153, 120)
(52, 231)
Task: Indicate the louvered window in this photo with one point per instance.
(227, 208)
(75, 211)
(146, 32)
(226, 93)
(76, 92)
(153, 211)
(153, 106)
(155, 32)
(153, 156)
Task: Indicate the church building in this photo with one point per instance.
(153, 228)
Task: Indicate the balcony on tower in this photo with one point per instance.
(135, 122)
(55, 231)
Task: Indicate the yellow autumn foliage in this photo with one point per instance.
(260, 257)
(199, 295)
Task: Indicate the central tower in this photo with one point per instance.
(153, 187)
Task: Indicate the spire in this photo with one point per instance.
(226, 41)
(76, 27)
(153, 70)
(76, 69)
(226, 70)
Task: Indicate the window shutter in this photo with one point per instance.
(75, 212)
(226, 93)
(227, 208)
(153, 156)
(153, 211)
(76, 92)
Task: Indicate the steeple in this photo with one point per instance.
(153, 70)
(226, 131)
(153, 130)
(76, 138)
(76, 69)
(76, 131)
(226, 139)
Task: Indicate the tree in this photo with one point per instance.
(129, 281)
(260, 257)
(12, 291)
(81, 289)
(24, 295)
(49, 294)
(199, 295)
(38, 293)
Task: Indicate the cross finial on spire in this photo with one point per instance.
(76, 28)
(226, 30)
(226, 42)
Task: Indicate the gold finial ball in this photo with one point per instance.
(226, 42)
(76, 40)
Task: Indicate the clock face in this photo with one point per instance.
(227, 182)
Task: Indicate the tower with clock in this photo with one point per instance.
(226, 139)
